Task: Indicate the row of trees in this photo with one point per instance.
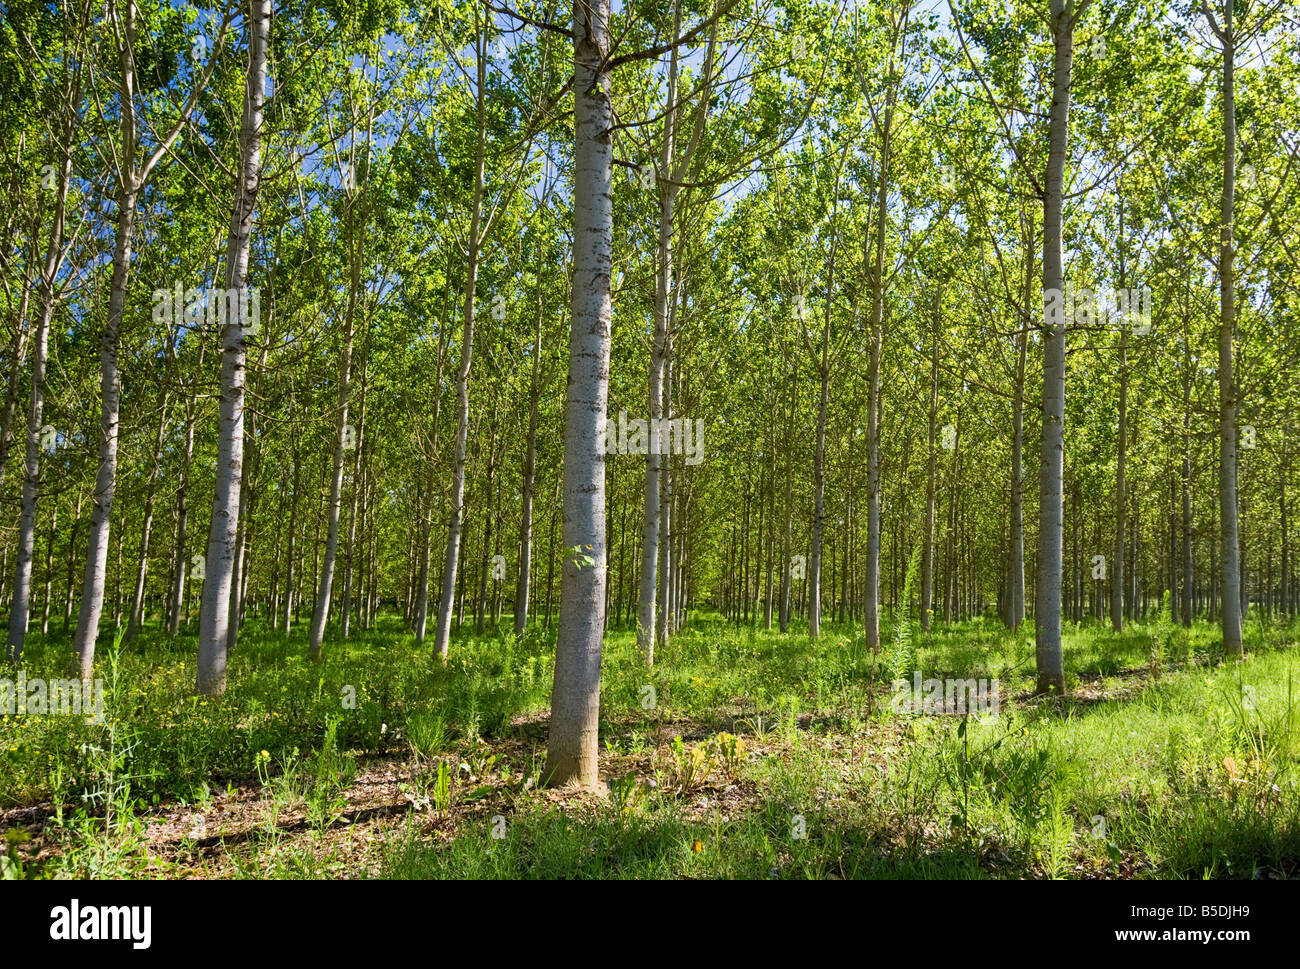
(380, 283)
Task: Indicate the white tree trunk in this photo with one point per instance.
(214, 611)
(1016, 590)
(21, 599)
(664, 628)
(575, 698)
(325, 582)
(349, 549)
(1047, 601)
(420, 614)
(1229, 540)
(130, 183)
(927, 549)
(146, 531)
(182, 565)
(18, 358)
(1121, 490)
(524, 577)
(672, 170)
(110, 391)
(451, 561)
(871, 605)
(647, 589)
(819, 487)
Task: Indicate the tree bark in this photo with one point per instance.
(136, 615)
(129, 184)
(575, 698)
(421, 612)
(927, 549)
(1121, 488)
(666, 507)
(524, 576)
(219, 563)
(451, 562)
(325, 576)
(871, 612)
(20, 601)
(349, 549)
(110, 389)
(1048, 657)
(1229, 539)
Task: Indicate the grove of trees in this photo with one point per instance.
(547, 319)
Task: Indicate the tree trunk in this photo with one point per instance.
(349, 549)
(181, 565)
(666, 508)
(489, 500)
(1229, 544)
(647, 591)
(421, 613)
(72, 567)
(1121, 487)
(49, 570)
(525, 569)
(1016, 604)
(247, 504)
(823, 366)
(575, 699)
(146, 531)
(927, 548)
(40, 353)
(787, 547)
(325, 581)
(1187, 484)
(451, 563)
(219, 563)
(871, 614)
(1284, 579)
(1049, 659)
(17, 358)
(110, 388)
(129, 184)
(771, 518)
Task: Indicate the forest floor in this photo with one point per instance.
(743, 754)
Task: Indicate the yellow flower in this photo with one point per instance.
(697, 846)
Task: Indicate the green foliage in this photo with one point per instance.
(900, 658)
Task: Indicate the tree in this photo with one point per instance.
(1047, 606)
(67, 112)
(214, 614)
(575, 697)
(129, 182)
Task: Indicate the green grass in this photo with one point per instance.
(1165, 761)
